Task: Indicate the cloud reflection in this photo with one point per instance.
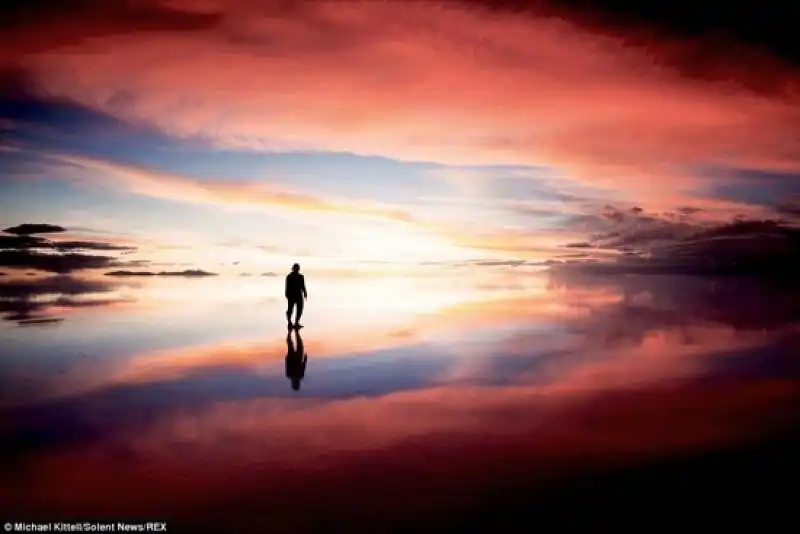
(598, 371)
(40, 301)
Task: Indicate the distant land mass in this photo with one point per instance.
(187, 272)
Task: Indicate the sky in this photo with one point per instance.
(238, 137)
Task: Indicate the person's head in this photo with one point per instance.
(296, 268)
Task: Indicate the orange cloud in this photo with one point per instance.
(182, 188)
(523, 243)
(438, 82)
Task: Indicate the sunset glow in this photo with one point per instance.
(369, 266)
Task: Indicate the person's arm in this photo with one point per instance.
(286, 288)
(303, 284)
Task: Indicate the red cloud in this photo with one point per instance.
(443, 82)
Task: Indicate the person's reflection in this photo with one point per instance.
(295, 359)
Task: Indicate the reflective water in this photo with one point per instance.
(419, 399)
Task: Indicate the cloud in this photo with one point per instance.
(55, 263)
(450, 83)
(22, 237)
(28, 229)
(634, 229)
(761, 249)
(446, 82)
(23, 242)
(574, 255)
(688, 210)
(42, 26)
(90, 245)
(259, 195)
(23, 250)
(581, 244)
(486, 262)
(790, 208)
(187, 273)
(263, 196)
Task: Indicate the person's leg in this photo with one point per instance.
(289, 308)
(299, 311)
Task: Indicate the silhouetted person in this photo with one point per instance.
(295, 360)
(295, 295)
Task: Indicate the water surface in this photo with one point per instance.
(422, 400)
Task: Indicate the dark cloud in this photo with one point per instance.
(766, 27)
(746, 248)
(790, 208)
(23, 242)
(187, 272)
(91, 245)
(634, 230)
(23, 250)
(613, 214)
(34, 228)
(688, 210)
(484, 262)
(647, 234)
(573, 255)
(497, 263)
(269, 274)
(37, 26)
(752, 228)
(582, 244)
(54, 263)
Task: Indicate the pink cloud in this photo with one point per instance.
(443, 82)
